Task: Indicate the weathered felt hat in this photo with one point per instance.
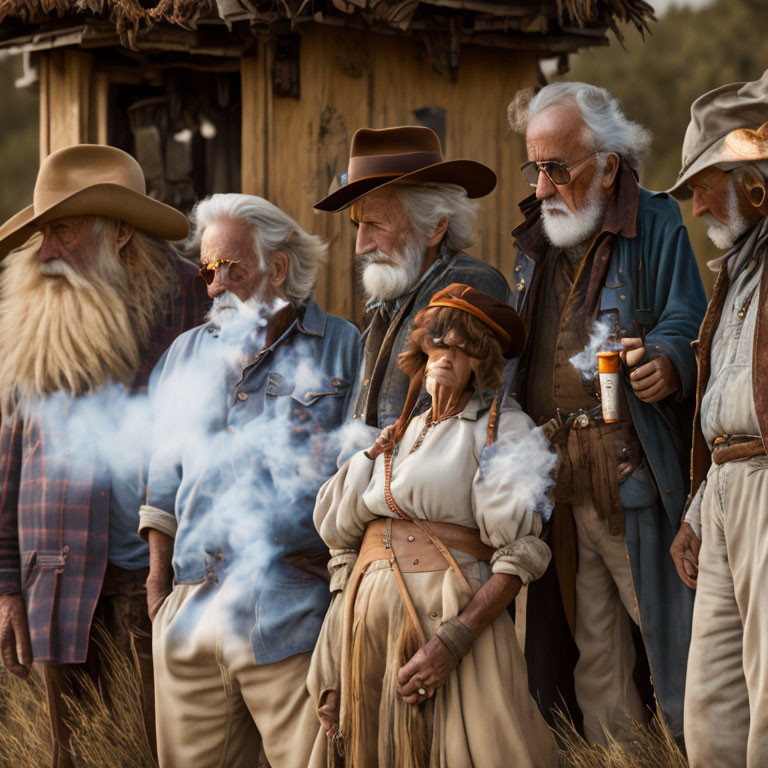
(727, 128)
(92, 180)
(406, 155)
(498, 316)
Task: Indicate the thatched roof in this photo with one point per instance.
(549, 26)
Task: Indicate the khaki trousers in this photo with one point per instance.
(726, 692)
(217, 708)
(605, 603)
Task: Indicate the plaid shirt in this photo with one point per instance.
(54, 509)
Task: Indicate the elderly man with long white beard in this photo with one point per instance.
(725, 170)
(415, 216)
(87, 306)
(596, 246)
(247, 409)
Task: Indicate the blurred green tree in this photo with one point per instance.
(689, 52)
(19, 138)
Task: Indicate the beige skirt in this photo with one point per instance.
(483, 717)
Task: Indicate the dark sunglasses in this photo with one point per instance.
(208, 271)
(556, 171)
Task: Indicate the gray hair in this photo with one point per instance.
(427, 204)
(609, 129)
(273, 231)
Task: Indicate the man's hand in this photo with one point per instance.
(15, 646)
(158, 589)
(328, 713)
(653, 381)
(685, 555)
(428, 669)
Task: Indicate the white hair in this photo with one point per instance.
(273, 231)
(608, 128)
(427, 204)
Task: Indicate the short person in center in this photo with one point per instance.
(418, 662)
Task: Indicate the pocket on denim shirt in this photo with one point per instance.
(319, 406)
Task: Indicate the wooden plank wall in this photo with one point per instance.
(67, 110)
(293, 148)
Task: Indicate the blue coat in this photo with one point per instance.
(654, 282)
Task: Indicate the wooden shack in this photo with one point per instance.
(263, 96)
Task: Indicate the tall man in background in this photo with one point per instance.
(87, 307)
(415, 217)
(725, 169)
(596, 245)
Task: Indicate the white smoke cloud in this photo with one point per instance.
(523, 465)
(600, 340)
(272, 461)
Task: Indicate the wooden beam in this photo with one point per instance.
(100, 114)
(256, 87)
(66, 85)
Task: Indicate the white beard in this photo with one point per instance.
(725, 235)
(565, 228)
(385, 281)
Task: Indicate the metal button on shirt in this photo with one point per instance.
(242, 396)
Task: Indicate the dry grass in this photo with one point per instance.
(651, 746)
(105, 732)
(24, 740)
(110, 733)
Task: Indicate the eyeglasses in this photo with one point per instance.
(708, 187)
(208, 270)
(556, 171)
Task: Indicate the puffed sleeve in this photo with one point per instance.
(341, 516)
(508, 496)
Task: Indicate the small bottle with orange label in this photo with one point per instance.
(608, 369)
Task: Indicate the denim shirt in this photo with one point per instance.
(239, 453)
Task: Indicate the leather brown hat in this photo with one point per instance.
(498, 316)
(406, 155)
(92, 180)
(727, 128)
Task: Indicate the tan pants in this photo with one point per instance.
(726, 693)
(217, 708)
(605, 601)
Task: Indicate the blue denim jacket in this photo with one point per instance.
(238, 456)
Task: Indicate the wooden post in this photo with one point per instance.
(66, 81)
(256, 86)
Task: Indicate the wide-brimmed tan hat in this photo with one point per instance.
(92, 180)
(728, 127)
(407, 155)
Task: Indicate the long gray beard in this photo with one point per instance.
(383, 282)
(64, 331)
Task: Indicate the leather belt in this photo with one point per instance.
(581, 419)
(413, 549)
(735, 447)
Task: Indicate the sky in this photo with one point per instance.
(661, 6)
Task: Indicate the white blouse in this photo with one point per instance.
(447, 479)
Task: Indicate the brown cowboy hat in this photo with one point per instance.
(92, 180)
(407, 155)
